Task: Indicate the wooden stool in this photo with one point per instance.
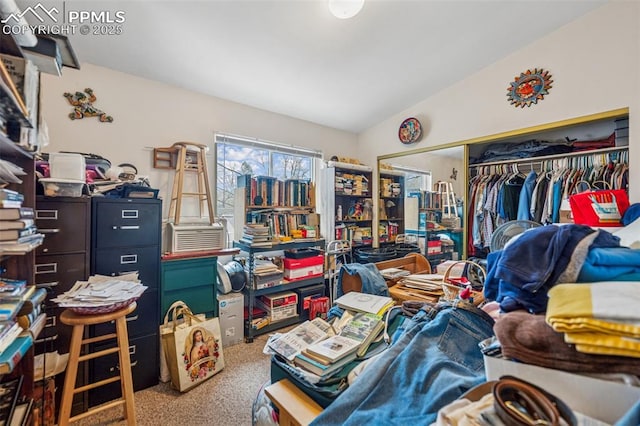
(79, 322)
(191, 157)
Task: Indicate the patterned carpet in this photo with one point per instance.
(224, 400)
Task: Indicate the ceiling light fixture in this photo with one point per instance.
(345, 9)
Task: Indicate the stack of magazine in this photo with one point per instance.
(323, 349)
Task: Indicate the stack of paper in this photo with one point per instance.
(429, 282)
(393, 273)
(101, 291)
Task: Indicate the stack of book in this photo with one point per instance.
(18, 232)
(363, 302)
(323, 349)
(9, 330)
(21, 320)
(266, 274)
(256, 235)
(356, 331)
(12, 294)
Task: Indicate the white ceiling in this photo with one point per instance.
(294, 58)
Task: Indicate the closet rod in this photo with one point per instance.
(553, 156)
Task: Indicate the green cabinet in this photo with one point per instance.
(192, 280)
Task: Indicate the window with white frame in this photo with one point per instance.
(237, 155)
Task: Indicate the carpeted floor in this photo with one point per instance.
(224, 400)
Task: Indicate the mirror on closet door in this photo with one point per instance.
(421, 198)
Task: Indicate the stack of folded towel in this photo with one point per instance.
(598, 318)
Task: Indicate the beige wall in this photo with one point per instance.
(151, 114)
(595, 64)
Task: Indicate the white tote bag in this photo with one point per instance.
(167, 327)
(193, 349)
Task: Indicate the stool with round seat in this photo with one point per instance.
(78, 322)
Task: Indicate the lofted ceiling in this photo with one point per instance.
(294, 58)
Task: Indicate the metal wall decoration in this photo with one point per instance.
(529, 87)
(83, 106)
(410, 131)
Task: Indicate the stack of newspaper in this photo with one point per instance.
(101, 290)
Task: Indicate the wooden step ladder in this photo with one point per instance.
(191, 157)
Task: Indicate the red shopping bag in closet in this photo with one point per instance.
(599, 208)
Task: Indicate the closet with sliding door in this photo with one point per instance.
(528, 175)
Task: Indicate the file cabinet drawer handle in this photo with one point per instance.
(117, 367)
(129, 214)
(127, 227)
(128, 258)
(48, 339)
(47, 214)
(127, 319)
(48, 231)
(50, 322)
(47, 268)
(50, 284)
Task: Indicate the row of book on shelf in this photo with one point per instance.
(21, 319)
(354, 233)
(351, 184)
(18, 231)
(267, 229)
(323, 348)
(270, 191)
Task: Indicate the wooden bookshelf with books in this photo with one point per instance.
(18, 237)
(270, 211)
(348, 200)
(391, 205)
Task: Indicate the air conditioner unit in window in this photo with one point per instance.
(196, 237)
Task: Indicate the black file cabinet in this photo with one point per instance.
(61, 260)
(126, 237)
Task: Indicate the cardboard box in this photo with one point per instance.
(303, 268)
(279, 313)
(279, 306)
(292, 263)
(276, 300)
(434, 247)
(300, 273)
(601, 399)
(230, 312)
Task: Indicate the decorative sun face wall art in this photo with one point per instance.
(529, 87)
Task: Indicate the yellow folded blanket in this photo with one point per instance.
(603, 344)
(584, 325)
(603, 300)
(598, 318)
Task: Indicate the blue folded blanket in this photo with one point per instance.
(611, 264)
